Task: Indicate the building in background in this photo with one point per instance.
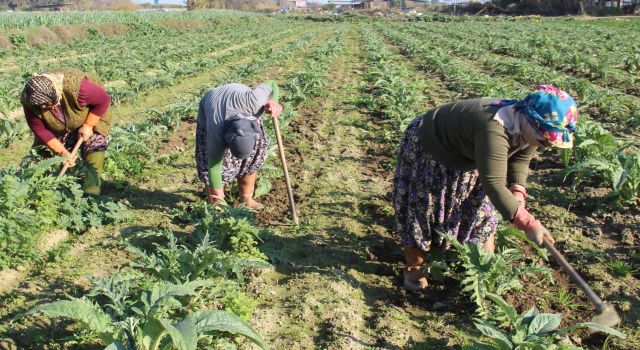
(56, 6)
(376, 4)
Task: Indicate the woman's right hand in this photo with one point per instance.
(70, 161)
(534, 230)
(215, 195)
(538, 232)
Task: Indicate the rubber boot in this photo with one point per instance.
(246, 187)
(414, 279)
(93, 186)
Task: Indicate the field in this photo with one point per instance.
(141, 263)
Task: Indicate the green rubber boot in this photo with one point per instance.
(92, 184)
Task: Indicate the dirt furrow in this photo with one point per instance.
(335, 276)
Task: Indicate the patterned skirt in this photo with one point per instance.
(96, 143)
(232, 167)
(430, 198)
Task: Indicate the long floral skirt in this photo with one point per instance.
(232, 167)
(430, 198)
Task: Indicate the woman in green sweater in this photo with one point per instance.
(462, 162)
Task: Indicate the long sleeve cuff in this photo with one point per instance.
(215, 173)
(92, 120)
(275, 90)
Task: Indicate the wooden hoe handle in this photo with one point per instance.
(292, 203)
(73, 152)
(579, 281)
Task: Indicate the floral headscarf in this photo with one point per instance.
(552, 112)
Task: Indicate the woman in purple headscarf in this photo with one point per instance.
(462, 163)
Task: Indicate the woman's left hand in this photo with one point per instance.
(85, 132)
(272, 107)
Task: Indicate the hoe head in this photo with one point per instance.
(606, 315)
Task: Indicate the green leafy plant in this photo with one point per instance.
(10, 131)
(492, 272)
(232, 229)
(601, 157)
(178, 263)
(147, 320)
(530, 330)
(620, 268)
(33, 203)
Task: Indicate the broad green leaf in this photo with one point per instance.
(505, 307)
(216, 320)
(152, 331)
(116, 346)
(80, 310)
(495, 334)
(595, 326)
(528, 316)
(544, 323)
(183, 334)
(161, 293)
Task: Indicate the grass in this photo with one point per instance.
(620, 268)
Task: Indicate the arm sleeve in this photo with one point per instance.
(94, 96)
(258, 97)
(518, 167)
(491, 153)
(215, 172)
(38, 127)
(275, 90)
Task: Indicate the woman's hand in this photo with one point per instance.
(272, 107)
(537, 233)
(215, 195)
(85, 132)
(70, 161)
(534, 230)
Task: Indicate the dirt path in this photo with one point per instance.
(335, 276)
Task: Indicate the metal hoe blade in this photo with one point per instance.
(606, 314)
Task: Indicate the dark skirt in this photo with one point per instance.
(232, 167)
(430, 198)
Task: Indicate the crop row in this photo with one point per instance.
(132, 68)
(617, 72)
(392, 91)
(20, 20)
(607, 105)
(617, 169)
(606, 41)
(209, 264)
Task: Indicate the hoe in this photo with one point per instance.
(73, 153)
(606, 314)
